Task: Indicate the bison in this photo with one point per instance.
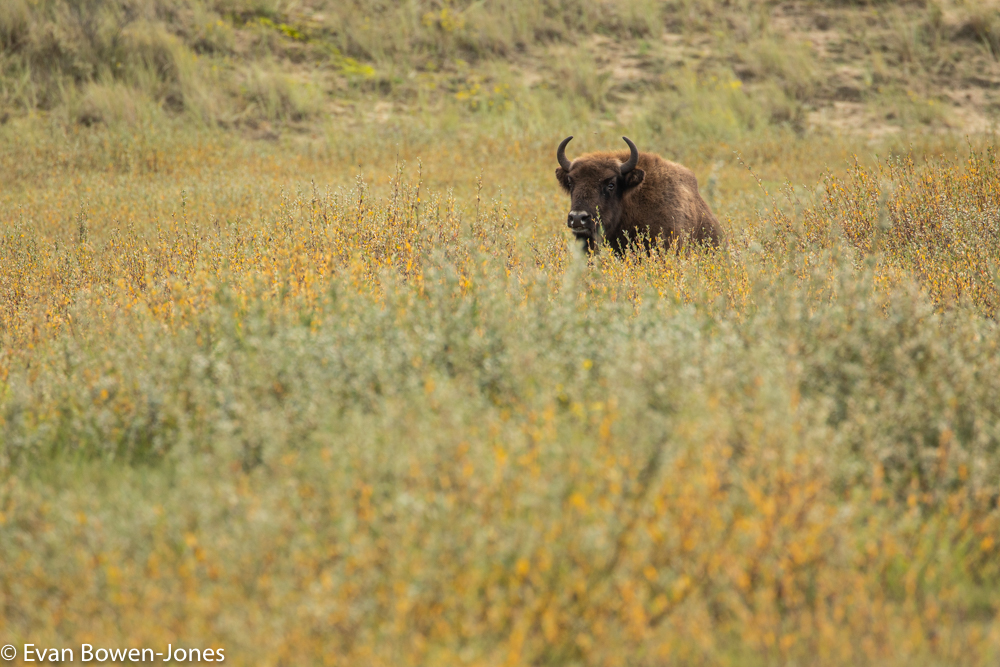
(633, 196)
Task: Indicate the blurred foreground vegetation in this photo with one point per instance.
(316, 376)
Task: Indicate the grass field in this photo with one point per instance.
(298, 360)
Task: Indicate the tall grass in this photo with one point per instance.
(349, 394)
(399, 427)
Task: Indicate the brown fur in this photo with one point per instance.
(658, 199)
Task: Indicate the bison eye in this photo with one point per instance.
(610, 187)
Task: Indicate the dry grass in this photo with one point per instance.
(349, 396)
(394, 426)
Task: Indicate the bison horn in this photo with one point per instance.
(633, 159)
(561, 154)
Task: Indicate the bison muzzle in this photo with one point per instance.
(634, 197)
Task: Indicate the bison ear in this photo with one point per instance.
(633, 178)
(563, 178)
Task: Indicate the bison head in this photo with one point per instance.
(597, 184)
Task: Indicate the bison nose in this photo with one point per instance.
(578, 219)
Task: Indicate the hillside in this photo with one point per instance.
(697, 66)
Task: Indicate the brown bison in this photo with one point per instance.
(633, 196)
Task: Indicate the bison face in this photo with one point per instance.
(597, 185)
(597, 192)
